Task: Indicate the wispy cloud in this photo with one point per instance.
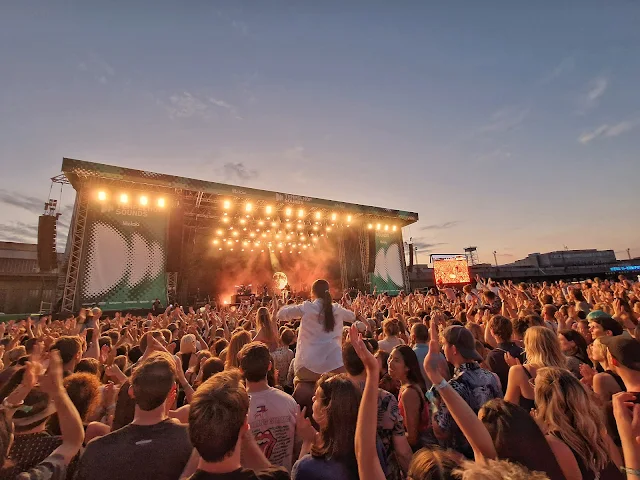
(427, 246)
(227, 106)
(99, 68)
(594, 90)
(26, 202)
(494, 156)
(23, 230)
(440, 226)
(565, 66)
(238, 171)
(607, 131)
(186, 105)
(505, 119)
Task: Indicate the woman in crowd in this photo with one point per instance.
(574, 347)
(518, 438)
(391, 332)
(187, 349)
(607, 383)
(329, 453)
(319, 347)
(84, 391)
(543, 350)
(238, 340)
(567, 413)
(405, 369)
(386, 382)
(266, 331)
(283, 355)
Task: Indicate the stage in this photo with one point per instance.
(136, 236)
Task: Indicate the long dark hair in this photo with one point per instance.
(320, 289)
(581, 344)
(414, 375)
(508, 425)
(341, 398)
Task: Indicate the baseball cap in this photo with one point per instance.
(597, 314)
(463, 340)
(625, 350)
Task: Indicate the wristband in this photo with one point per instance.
(630, 471)
(443, 383)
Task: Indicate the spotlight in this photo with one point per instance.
(229, 242)
(303, 238)
(301, 213)
(242, 221)
(315, 227)
(220, 248)
(264, 235)
(288, 237)
(248, 207)
(102, 195)
(315, 239)
(218, 232)
(161, 202)
(378, 226)
(274, 224)
(245, 243)
(252, 234)
(386, 228)
(235, 234)
(225, 219)
(318, 215)
(268, 209)
(370, 226)
(124, 198)
(328, 229)
(288, 212)
(226, 204)
(261, 223)
(334, 216)
(349, 218)
(394, 228)
(143, 200)
(304, 247)
(300, 227)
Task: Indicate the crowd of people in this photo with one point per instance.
(493, 381)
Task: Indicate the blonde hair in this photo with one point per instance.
(239, 340)
(498, 470)
(427, 464)
(265, 324)
(188, 343)
(571, 414)
(543, 348)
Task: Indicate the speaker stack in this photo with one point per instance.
(47, 257)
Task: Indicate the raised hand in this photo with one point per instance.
(304, 429)
(510, 360)
(432, 360)
(369, 361)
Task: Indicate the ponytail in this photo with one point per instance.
(327, 303)
(320, 288)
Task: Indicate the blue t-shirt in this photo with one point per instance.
(310, 468)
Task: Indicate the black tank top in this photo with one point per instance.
(527, 403)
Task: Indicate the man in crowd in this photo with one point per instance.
(153, 445)
(502, 329)
(420, 343)
(391, 431)
(272, 413)
(623, 355)
(602, 324)
(70, 348)
(219, 431)
(474, 384)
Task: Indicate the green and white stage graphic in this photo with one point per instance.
(388, 272)
(124, 257)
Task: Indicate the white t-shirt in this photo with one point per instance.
(387, 344)
(272, 420)
(317, 350)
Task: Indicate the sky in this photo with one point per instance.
(511, 126)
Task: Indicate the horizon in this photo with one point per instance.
(494, 123)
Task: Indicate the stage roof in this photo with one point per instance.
(80, 173)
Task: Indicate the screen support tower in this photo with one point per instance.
(472, 255)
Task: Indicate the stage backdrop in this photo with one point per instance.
(124, 257)
(388, 275)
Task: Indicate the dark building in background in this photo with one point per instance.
(22, 286)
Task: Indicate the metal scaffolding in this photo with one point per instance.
(342, 259)
(364, 255)
(75, 255)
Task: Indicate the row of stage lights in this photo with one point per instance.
(289, 213)
(125, 199)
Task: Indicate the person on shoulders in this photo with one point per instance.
(220, 432)
(272, 413)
